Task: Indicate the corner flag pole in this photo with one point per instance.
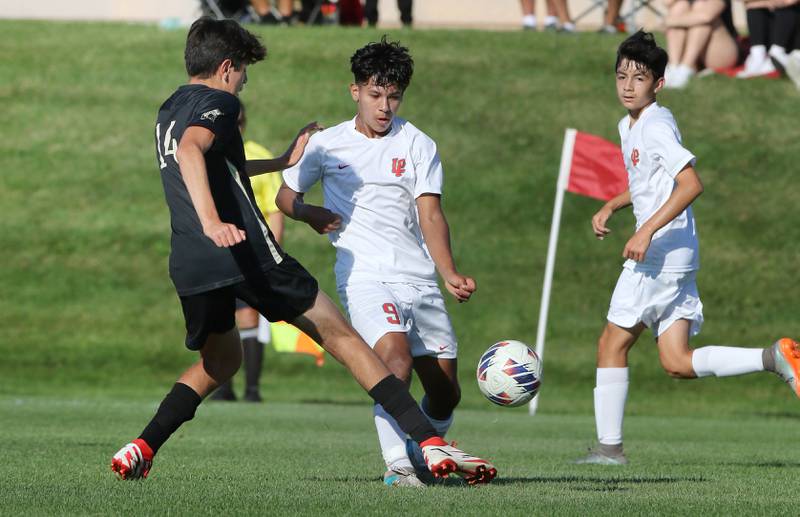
(561, 186)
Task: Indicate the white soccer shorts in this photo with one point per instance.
(376, 308)
(657, 300)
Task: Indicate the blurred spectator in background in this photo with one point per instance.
(565, 23)
(612, 23)
(793, 60)
(265, 188)
(700, 34)
(371, 12)
(772, 25)
(529, 15)
(351, 12)
(270, 13)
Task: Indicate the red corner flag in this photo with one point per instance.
(590, 166)
(596, 168)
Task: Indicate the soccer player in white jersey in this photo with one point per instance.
(657, 288)
(382, 183)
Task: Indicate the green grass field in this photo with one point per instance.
(90, 328)
(322, 459)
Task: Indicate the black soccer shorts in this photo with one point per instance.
(283, 293)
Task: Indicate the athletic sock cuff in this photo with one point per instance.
(393, 395)
(611, 376)
(248, 333)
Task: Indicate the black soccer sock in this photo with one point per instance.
(253, 352)
(393, 395)
(177, 407)
(758, 23)
(784, 26)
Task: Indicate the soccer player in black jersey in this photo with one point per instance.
(222, 249)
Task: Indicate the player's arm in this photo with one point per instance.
(436, 233)
(688, 188)
(196, 140)
(287, 159)
(320, 218)
(602, 216)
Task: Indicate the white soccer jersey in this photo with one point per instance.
(653, 156)
(373, 183)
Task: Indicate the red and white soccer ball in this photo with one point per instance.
(509, 373)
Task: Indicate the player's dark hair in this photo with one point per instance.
(210, 42)
(384, 62)
(642, 50)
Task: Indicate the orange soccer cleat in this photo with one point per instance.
(787, 362)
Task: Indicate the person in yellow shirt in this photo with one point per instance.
(265, 187)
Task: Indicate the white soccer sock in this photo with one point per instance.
(441, 426)
(609, 404)
(529, 20)
(724, 361)
(248, 333)
(550, 21)
(758, 53)
(392, 439)
(779, 54)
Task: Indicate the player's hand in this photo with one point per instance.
(460, 286)
(636, 247)
(224, 235)
(599, 221)
(321, 219)
(298, 145)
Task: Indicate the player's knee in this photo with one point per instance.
(678, 367)
(444, 399)
(400, 365)
(222, 355)
(608, 348)
(453, 398)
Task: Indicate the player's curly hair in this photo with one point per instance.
(642, 50)
(210, 42)
(384, 62)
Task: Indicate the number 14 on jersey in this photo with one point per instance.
(170, 144)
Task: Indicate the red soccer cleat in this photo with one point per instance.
(444, 459)
(133, 461)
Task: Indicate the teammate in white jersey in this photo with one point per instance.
(382, 183)
(657, 288)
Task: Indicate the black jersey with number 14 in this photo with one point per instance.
(196, 264)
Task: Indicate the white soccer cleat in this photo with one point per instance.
(793, 67)
(133, 461)
(598, 457)
(444, 459)
(402, 476)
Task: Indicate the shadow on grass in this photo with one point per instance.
(778, 414)
(590, 484)
(762, 464)
(597, 484)
(330, 402)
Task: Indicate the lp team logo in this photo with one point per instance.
(211, 115)
(635, 157)
(398, 166)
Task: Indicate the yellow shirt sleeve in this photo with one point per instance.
(265, 186)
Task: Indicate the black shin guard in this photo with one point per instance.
(393, 395)
(177, 407)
